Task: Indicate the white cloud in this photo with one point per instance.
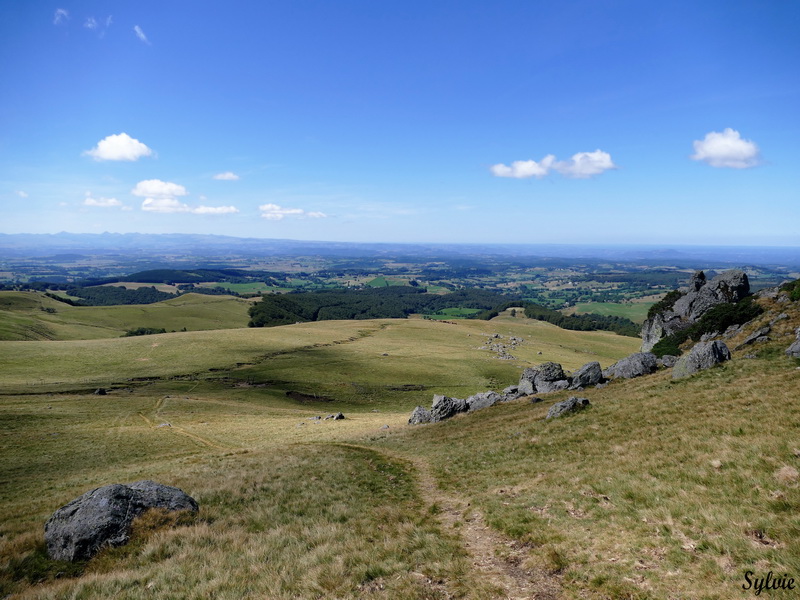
(273, 212)
(726, 149)
(164, 205)
(140, 34)
(61, 15)
(215, 210)
(155, 188)
(101, 202)
(162, 197)
(522, 169)
(581, 166)
(22, 194)
(119, 147)
(585, 164)
(226, 176)
(91, 23)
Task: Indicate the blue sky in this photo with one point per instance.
(435, 121)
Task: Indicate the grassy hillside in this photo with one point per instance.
(660, 489)
(34, 316)
(635, 311)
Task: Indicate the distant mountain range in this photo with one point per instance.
(140, 244)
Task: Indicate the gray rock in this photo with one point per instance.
(700, 296)
(445, 407)
(793, 351)
(570, 405)
(780, 317)
(660, 326)
(729, 286)
(703, 355)
(770, 292)
(420, 415)
(635, 365)
(547, 377)
(759, 335)
(732, 331)
(668, 360)
(483, 400)
(103, 517)
(336, 417)
(588, 374)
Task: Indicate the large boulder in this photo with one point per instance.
(420, 415)
(444, 407)
(703, 355)
(103, 517)
(635, 365)
(588, 374)
(698, 298)
(547, 377)
(572, 404)
(483, 400)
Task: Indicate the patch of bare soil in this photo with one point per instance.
(499, 560)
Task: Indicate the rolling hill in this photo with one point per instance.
(660, 489)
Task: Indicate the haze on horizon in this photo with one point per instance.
(467, 122)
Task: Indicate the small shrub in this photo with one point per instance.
(144, 331)
(666, 303)
(793, 287)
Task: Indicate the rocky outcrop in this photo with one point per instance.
(589, 374)
(103, 517)
(444, 407)
(483, 400)
(419, 416)
(759, 335)
(635, 365)
(547, 377)
(572, 404)
(667, 361)
(793, 351)
(703, 355)
(699, 297)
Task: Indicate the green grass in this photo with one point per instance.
(22, 316)
(382, 281)
(660, 489)
(635, 311)
(255, 287)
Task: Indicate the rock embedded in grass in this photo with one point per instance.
(483, 400)
(419, 416)
(547, 377)
(703, 355)
(588, 374)
(794, 350)
(635, 365)
(103, 517)
(444, 407)
(571, 404)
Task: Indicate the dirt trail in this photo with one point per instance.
(176, 429)
(500, 560)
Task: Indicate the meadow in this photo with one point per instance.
(661, 489)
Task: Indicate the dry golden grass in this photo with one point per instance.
(661, 489)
